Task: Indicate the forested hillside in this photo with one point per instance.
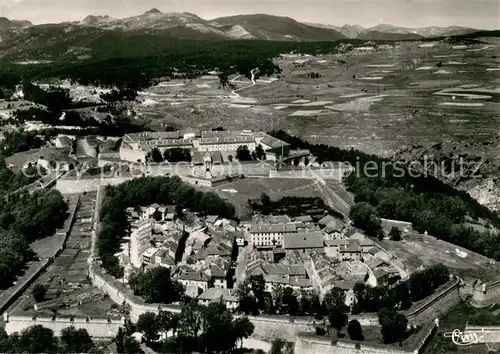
(395, 193)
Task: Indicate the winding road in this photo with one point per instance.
(252, 72)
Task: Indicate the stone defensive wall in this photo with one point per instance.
(96, 327)
(265, 326)
(442, 301)
(307, 343)
(306, 173)
(277, 326)
(79, 186)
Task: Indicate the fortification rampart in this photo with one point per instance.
(425, 311)
(82, 185)
(308, 173)
(96, 327)
(307, 343)
(486, 294)
(437, 304)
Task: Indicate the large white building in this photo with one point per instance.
(140, 241)
(269, 235)
(135, 147)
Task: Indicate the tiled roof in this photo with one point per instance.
(214, 294)
(273, 142)
(193, 276)
(332, 223)
(344, 284)
(220, 268)
(379, 273)
(220, 133)
(336, 242)
(280, 269)
(300, 282)
(165, 258)
(351, 247)
(151, 136)
(277, 279)
(212, 218)
(304, 218)
(303, 240)
(376, 262)
(273, 228)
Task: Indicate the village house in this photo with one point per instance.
(197, 240)
(350, 252)
(164, 258)
(224, 296)
(348, 287)
(296, 283)
(343, 249)
(383, 272)
(332, 226)
(323, 273)
(167, 213)
(196, 280)
(220, 272)
(148, 257)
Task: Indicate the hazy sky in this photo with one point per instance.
(411, 13)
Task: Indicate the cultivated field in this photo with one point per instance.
(240, 191)
(377, 101)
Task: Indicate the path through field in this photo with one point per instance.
(252, 72)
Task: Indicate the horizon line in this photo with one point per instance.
(309, 23)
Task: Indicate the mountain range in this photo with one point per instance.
(355, 31)
(256, 26)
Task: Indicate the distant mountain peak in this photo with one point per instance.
(5, 23)
(93, 20)
(154, 10)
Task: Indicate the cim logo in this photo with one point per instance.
(474, 335)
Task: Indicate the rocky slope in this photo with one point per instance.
(472, 167)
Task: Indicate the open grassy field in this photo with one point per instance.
(240, 191)
(421, 250)
(377, 101)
